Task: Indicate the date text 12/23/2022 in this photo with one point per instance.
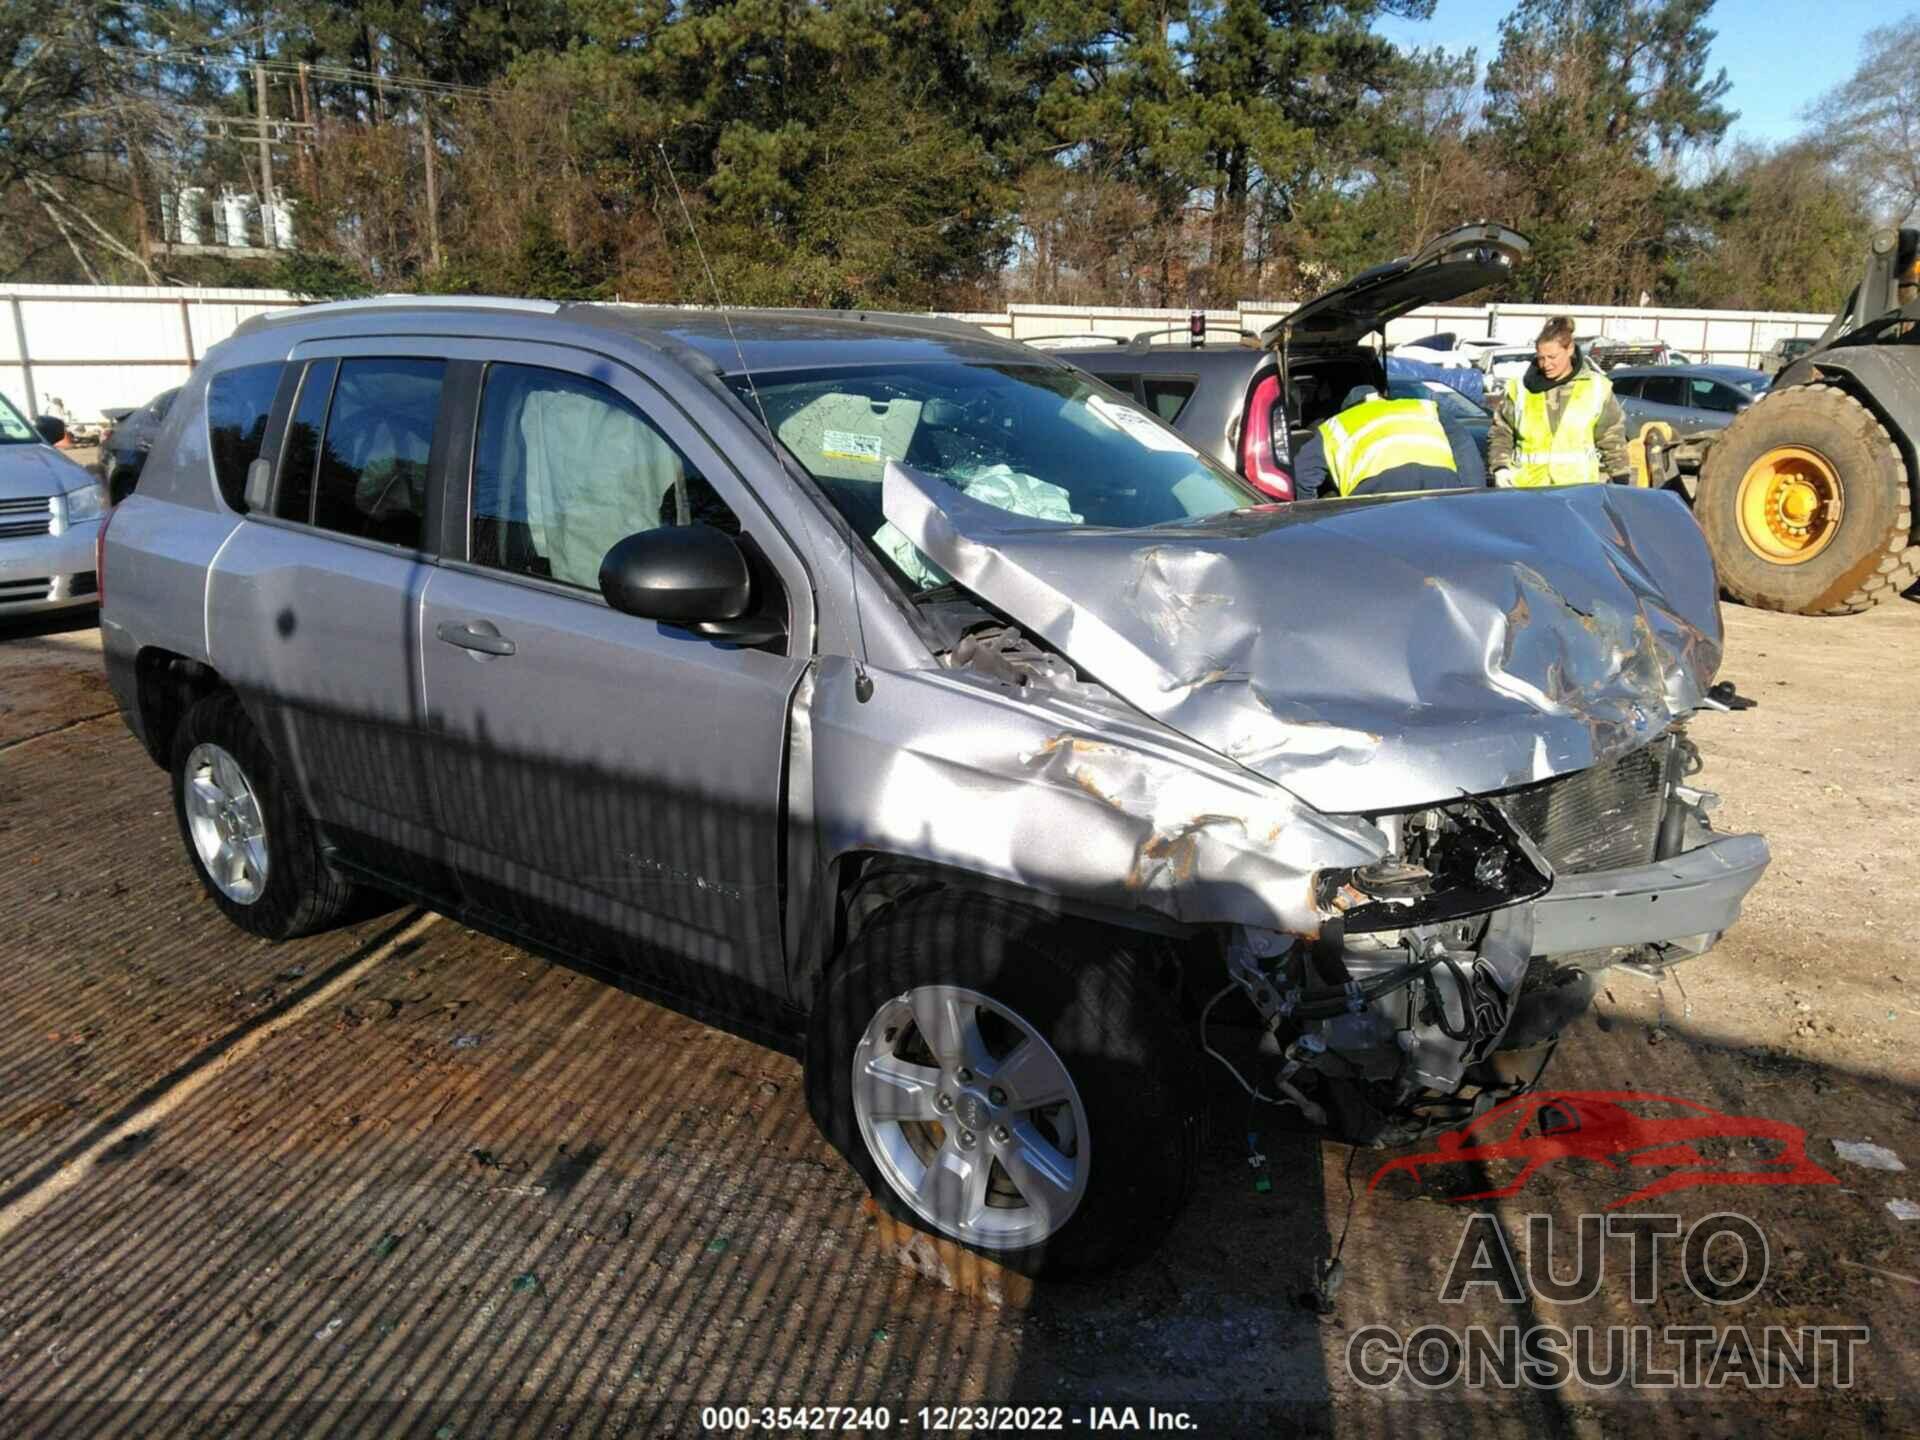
(930, 1418)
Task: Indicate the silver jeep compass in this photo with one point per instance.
(906, 698)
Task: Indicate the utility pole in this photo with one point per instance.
(306, 114)
(433, 184)
(268, 205)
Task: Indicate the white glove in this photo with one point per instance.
(1503, 477)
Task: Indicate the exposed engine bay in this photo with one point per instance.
(1386, 1026)
(1446, 804)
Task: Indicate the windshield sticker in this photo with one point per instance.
(1122, 417)
(850, 445)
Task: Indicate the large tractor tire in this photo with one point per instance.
(1806, 506)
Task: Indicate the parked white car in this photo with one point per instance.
(1447, 349)
(50, 509)
(1499, 364)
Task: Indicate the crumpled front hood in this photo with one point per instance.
(1367, 654)
(27, 471)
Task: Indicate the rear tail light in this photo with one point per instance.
(1265, 452)
(100, 553)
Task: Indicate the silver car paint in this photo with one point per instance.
(1465, 643)
(1501, 646)
(40, 472)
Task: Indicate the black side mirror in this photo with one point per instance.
(51, 427)
(689, 575)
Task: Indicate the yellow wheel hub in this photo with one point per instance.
(1789, 505)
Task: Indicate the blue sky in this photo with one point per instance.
(1779, 57)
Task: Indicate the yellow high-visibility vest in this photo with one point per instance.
(1376, 436)
(1543, 455)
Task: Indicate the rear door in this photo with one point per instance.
(1664, 397)
(313, 604)
(608, 784)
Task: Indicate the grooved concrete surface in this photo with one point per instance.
(405, 1179)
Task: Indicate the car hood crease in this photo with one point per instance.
(30, 471)
(1368, 655)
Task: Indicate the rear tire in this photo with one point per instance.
(1116, 1157)
(1806, 506)
(275, 884)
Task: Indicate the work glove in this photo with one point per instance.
(1503, 477)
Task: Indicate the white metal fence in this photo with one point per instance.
(95, 347)
(92, 347)
(1720, 337)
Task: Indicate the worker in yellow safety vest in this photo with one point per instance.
(1558, 424)
(1376, 445)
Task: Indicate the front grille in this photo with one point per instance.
(21, 518)
(37, 588)
(85, 583)
(1605, 818)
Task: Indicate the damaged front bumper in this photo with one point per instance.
(1386, 1023)
(1683, 903)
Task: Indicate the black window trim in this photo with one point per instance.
(269, 442)
(305, 370)
(432, 523)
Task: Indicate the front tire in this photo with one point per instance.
(1805, 504)
(247, 838)
(1009, 1081)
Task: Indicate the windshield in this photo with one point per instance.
(14, 429)
(1037, 440)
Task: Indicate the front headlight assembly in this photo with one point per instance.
(89, 502)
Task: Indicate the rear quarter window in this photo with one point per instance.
(238, 402)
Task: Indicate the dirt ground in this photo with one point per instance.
(404, 1179)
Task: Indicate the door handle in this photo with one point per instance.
(475, 635)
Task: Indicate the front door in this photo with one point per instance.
(609, 783)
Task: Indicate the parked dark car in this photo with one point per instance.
(1252, 404)
(123, 452)
(1695, 400)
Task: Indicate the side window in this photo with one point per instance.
(565, 467)
(1711, 395)
(238, 401)
(1166, 395)
(1125, 381)
(1665, 390)
(300, 454)
(1628, 388)
(372, 475)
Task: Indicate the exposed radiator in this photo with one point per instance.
(1605, 818)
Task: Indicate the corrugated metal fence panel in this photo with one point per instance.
(98, 347)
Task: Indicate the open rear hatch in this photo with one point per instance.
(1458, 263)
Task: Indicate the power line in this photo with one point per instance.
(316, 70)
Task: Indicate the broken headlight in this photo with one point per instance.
(1462, 858)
